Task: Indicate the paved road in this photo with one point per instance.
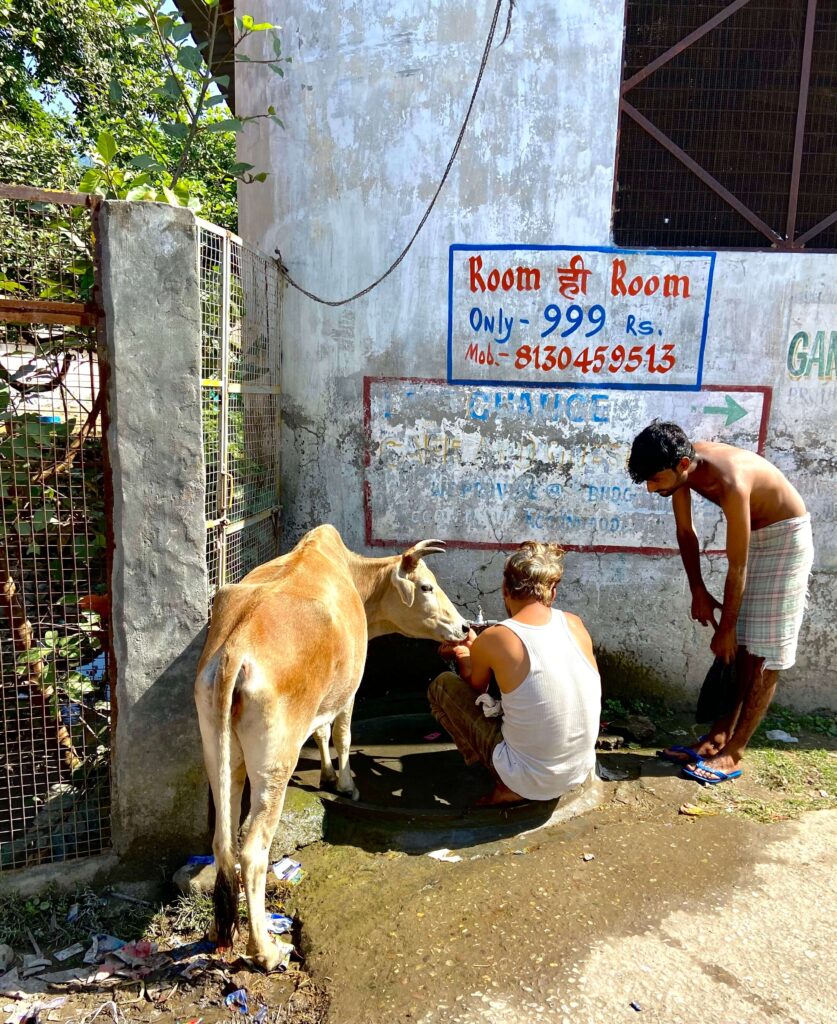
(718, 920)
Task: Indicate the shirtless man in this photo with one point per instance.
(542, 660)
(769, 554)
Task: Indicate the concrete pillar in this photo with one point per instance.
(159, 583)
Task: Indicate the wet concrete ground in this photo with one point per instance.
(717, 919)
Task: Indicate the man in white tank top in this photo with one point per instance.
(542, 660)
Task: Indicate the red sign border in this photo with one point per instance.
(470, 545)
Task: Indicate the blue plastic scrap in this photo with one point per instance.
(192, 949)
(201, 859)
(237, 999)
(279, 923)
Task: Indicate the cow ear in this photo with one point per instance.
(412, 556)
(405, 587)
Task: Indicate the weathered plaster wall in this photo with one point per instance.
(372, 104)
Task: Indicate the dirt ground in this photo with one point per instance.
(635, 911)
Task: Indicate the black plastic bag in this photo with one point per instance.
(719, 693)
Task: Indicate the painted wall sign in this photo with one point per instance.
(488, 467)
(558, 316)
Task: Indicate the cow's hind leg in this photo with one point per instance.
(268, 798)
(271, 751)
(322, 737)
(238, 775)
(342, 744)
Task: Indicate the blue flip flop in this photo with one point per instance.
(719, 775)
(690, 753)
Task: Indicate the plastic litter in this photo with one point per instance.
(610, 774)
(68, 951)
(278, 924)
(288, 870)
(694, 811)
(195, 968)
(34, 964)
(73, 912)
(201, 859)
(433, 736)
(781, 736)
(636, 1006)
(237, 1000)
(135, 953)
(10, 985)
(192, 949)
(588, 856)
(445, 855)
(260, 1016)
(101, 945)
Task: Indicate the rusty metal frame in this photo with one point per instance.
(789, 241)
(24, 193)
(42, 311)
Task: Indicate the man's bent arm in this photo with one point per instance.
(737, 512)
(481, 671)
(681, 502)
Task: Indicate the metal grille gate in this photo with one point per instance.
(240, 295)
(54, 690)
(728, 125)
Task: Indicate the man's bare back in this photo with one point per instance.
(724, 470)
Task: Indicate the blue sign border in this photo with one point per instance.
(638, 386)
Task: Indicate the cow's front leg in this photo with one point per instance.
(322, 737)
(342, 743)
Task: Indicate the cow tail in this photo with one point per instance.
(225, 896)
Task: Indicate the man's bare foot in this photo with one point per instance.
(722, 763)
(707, 747)
(501, 794)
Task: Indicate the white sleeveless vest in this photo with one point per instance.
(551, 721)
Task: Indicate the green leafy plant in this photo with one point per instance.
(128, 98)
(191, 108)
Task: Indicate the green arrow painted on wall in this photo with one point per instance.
(732, 410)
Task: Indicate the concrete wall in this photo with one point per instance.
(159, 582)
(372, 104)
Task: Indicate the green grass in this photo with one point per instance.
(794, 778)
(45, 916)
(616, 707)
(820, 723)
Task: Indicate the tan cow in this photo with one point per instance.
(283, 659)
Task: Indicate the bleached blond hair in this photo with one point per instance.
(533, 570)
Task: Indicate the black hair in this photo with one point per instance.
(660, 446)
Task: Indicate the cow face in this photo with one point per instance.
(415, 603)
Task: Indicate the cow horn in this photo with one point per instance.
(412, 556)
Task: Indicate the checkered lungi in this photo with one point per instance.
(771, 612)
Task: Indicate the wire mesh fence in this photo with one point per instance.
(240, 292)
(54, 689)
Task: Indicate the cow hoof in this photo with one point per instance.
(352, 794)
(328, 781)
(265, 961)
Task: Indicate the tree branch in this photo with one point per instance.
(31, 389)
